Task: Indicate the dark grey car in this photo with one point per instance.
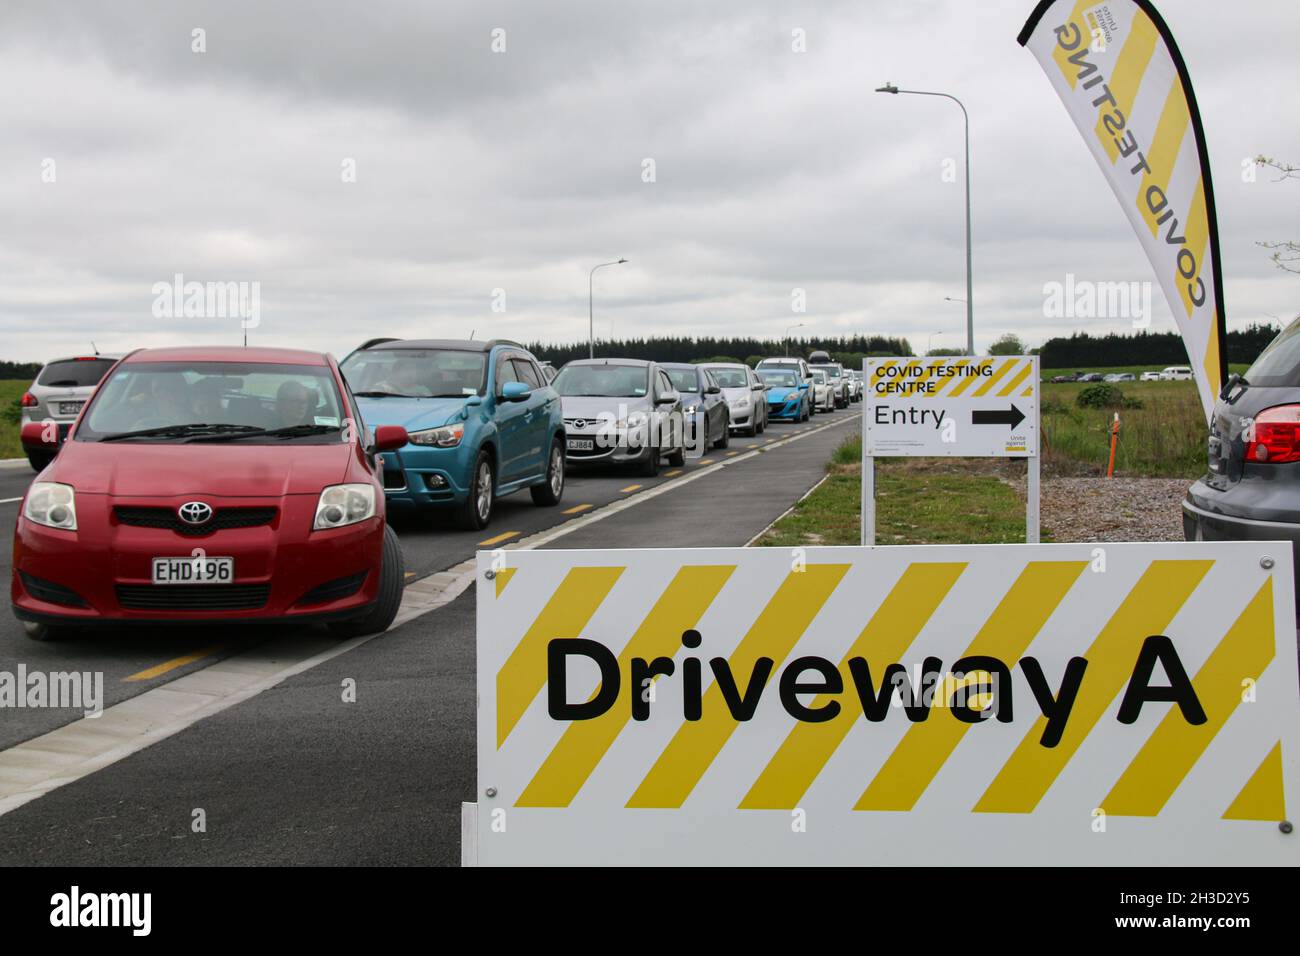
(1252, 489)
(705, 411)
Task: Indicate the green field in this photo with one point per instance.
(1137, 370)
(11, 390)
(1164, 438)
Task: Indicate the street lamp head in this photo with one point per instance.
(621, 261)
(887, 88)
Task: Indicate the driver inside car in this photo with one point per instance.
(295, 404)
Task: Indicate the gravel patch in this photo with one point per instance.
(1110, 509)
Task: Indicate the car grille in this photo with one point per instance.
(193, 597)
(581, 423)
(334, 590)
(221, 520)
(50, 592)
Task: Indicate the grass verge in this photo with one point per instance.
(918, 501)
(11, 391)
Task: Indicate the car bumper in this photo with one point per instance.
(416, 477)
(102, 573)
(792, 409)
(620, 454)
(1200, 524)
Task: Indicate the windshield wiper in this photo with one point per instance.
(380, 394)
(177, 431)
(289, 431)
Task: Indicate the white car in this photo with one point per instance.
(1150, 377)
(1176, 373)
(745, 395)
(823, 390)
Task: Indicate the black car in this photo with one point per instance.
(703, 407)
(1252, 489)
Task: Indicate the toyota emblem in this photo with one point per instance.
(195, 512)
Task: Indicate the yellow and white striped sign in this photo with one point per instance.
(968, 406)
(1107, 704)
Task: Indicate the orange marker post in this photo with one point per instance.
(1114, 440)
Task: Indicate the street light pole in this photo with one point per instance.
(788, 330)
(970, 308)
(591, 321)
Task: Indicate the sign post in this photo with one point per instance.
(959, 406)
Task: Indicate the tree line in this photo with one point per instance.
(1081, 350)
(845, 348)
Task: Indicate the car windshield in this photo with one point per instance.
(777, 376)
(602, 381)
(684, 379)
(819, 376)
(191, 401)
(831, 371)
(415, 373)
(730, 377)
(74, 373)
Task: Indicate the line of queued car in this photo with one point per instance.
(1174, 373)
(254, 484)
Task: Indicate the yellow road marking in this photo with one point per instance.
(629, 488)
(174, 663)
(498, 539)
(706, 461)
(730, 453)
(576, 508)
(674, 473)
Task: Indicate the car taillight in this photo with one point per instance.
(1274, 436)
(29, 400)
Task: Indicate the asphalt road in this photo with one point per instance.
(295, 775)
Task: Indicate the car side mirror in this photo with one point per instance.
(803, 386)
(758, 387)
(515, 391)
(668, 398)
(712, 390)
(475, 399)
(39, 434)
(389, 438)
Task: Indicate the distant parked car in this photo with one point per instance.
(1251, 491)
(1151, 376)
(823, 390)
(1176, 373)
(1089, 377)
(57, 396)
(1120, 377)
(621, 411)
(1061, 379)
(789, 397)
(703, 406)
(745, 395)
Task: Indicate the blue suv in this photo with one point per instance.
(481, 417)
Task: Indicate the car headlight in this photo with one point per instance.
(742, 402)
(51, 504)
(635, 420)
(341, 505)
(448, 436)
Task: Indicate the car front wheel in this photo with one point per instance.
(476, 512)
(392, 581)
(548, 493)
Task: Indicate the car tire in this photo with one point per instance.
(549, 492)
(677, 457)
(40, 631)
(39, 460)
(649, 468)
(725, 438)
(392, 581)
(476, 512)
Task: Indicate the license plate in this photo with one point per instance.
(193, 570)
(582, 444)
(70, 408)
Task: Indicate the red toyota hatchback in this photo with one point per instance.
(211, 484)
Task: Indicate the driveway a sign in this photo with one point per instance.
(1064, 704)
(965, 406)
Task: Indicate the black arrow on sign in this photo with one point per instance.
(1011, 417)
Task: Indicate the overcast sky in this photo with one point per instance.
(519, 170)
